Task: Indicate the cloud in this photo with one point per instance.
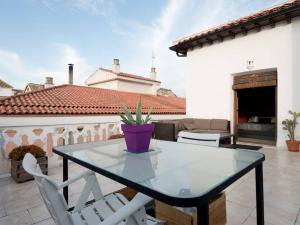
(156, 38)
(10, 61)
(105, 8)
(68, 54)
(15, 70)
(177, 19)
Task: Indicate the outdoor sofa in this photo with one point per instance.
(168, 129)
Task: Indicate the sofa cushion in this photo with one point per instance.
(183, 124)
(210, 131)
(219, 124)
(203, 124)
(190, 126)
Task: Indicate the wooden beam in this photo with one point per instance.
(272, 23)
(257, 26)
(199, 43)
(231, 34)
(288, 18)
(220, 38)
(209, 41)
(188, 45)
(244, 30)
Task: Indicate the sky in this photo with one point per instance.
(38, 38)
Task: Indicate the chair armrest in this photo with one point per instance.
(139, 201)
(73, 179)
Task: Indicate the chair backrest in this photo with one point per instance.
(205, 139)
(53, 199)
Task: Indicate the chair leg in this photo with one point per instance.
(65, 178)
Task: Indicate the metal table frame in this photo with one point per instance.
(201, 202)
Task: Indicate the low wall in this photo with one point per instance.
(47, 132)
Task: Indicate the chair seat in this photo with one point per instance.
(98, 211)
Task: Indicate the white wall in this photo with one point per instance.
(296, 69)
(130, 86)
(210, 70)
(99, 75)
(31, 121)
(113, 84)
(5, 91)
(122, 84)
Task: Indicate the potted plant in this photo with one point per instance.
(17, 155)
(290, 125)
(137, 131)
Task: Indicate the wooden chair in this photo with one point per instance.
(106, 210)
(199, 138)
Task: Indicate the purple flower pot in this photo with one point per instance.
(137, 137)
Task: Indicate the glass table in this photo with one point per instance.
(178, 174)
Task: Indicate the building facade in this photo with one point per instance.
(5, 89)
(115, 79)
(254, 47)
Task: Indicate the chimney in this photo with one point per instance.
(116, 66)
(49, 82)
(153, 73)
(70, 73)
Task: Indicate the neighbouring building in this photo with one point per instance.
(5, 89)
(68, 114)
(33, 87)
(36, 87)
(17, 91)
(116, 80)
(165, 92)
(248, 71)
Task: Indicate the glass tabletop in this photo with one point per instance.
(178, 170)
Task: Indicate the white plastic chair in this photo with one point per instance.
(106, 210)
(199, 138)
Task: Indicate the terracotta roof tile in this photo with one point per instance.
(72, 99)
(231, 24)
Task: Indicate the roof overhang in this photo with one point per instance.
(243, 26)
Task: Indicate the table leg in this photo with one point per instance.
(259, 195)
(65, 177)
(203, 214)
(234, 139)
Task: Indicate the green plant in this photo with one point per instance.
(128, 118)
(290, 125)
(18, 153)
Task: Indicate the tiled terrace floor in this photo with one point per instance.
(21, 203)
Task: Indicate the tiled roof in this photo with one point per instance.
(3, 84)
(289, 9)
(121, 74)
(72, 99)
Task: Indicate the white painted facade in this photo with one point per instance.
(130, 86)
(116, 80)
(210, 71)
(5, 91)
